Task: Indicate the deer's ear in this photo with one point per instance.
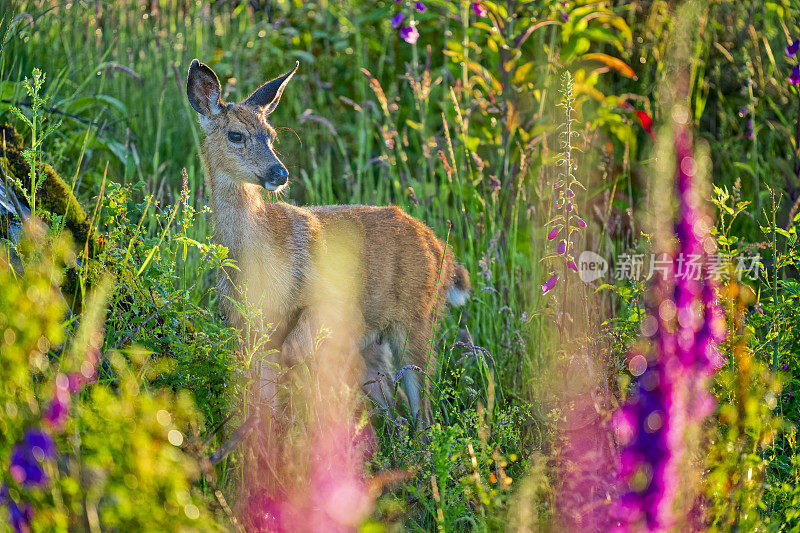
(268, 95)
(203, 90)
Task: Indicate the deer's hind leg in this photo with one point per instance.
(413, 345)
(379, 376)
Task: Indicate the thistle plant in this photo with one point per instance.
(39, 133)
(682, 330)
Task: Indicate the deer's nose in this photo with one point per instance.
(277, 175)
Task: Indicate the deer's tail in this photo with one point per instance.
(459, 290)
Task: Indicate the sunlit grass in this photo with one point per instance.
(461, 129)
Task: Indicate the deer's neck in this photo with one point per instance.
(237, 208)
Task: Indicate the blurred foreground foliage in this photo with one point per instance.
(121, 459)
(462, 127)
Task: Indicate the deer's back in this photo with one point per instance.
(402, 274)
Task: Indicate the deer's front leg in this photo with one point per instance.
(288, 345)
(299, 341)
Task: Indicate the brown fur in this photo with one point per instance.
(378, 264)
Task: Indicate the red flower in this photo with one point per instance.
(647, 123)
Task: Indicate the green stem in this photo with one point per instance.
(776, 341)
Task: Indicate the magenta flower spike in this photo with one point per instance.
(553, 234)
(548, 285)
(561, 248)
(685, 327)
(409, 34)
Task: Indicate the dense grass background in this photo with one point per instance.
(463, 130)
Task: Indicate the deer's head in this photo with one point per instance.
(238, 135)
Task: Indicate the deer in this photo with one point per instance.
(400, 277)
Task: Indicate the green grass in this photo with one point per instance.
(461, 130)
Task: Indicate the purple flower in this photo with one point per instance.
(750, 132)
(18, 517)
(28, 455)
(687, 326)
(398, 19)
(479, 10)
(791, 50)
(570, 193)
(420, 6)
(581, 223)
(549, 284)
(743, 111)
(564, 16)
(794, 77)
(409, 34)
(562, 247)
(552, 235)
(572, 266)
(56, 412)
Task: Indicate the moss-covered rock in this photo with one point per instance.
(54, 196)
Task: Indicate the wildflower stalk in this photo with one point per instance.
(33, 86)
(754, 149)
(566, 217)
(465, 47)
(684, 325)
(777, 339)
(567, 103)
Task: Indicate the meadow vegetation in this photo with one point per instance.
(524, 133)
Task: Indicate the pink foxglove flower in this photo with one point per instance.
(686, 326)
(548, 285)
(479, 10)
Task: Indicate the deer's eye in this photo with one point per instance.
(235, 136)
